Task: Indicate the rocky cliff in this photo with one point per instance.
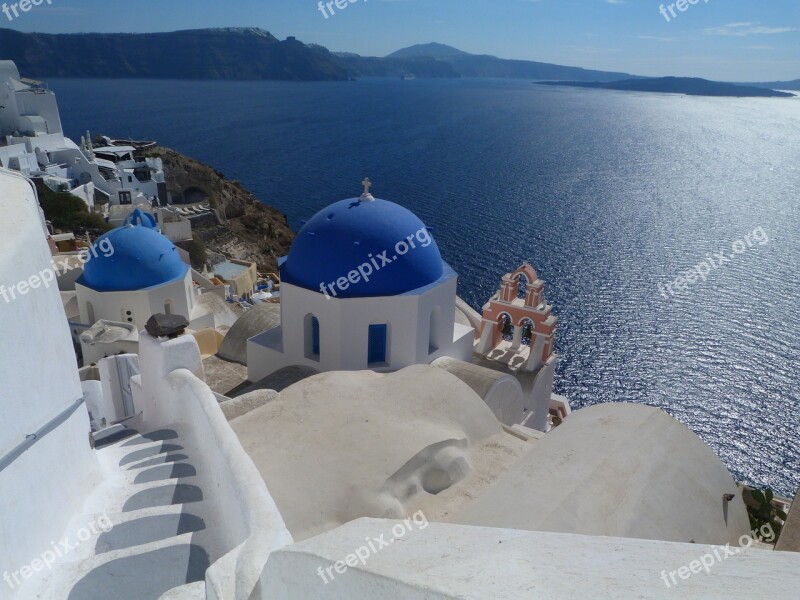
(232, 53)
(244, 229)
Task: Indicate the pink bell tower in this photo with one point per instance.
(518, 310)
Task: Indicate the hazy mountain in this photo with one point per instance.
(372, 66)
(439, 60)
(678, 85)
(239, 53)
(432, 50)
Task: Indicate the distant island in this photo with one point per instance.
(777, 85)
(247, 53)
(691, 86)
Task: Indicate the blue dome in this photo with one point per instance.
(377, 236)
(132, 258)
(141, 218)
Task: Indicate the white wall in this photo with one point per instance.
(247, 525)
(538, 388)
(47, 485)
(622, 470)
(113, 306)
(450, 561)
(43, 104)
(94, 353)
(344, 331)
(177, 231)
(85, 193)
(8, 152)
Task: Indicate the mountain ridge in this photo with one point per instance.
(226, 53)
(252, 53)
(248, 53)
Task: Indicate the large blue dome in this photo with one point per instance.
(132, 258)
(351, 234)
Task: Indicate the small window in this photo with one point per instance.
(433, 326)
(312, 343)
(378, 341)
(315, 335)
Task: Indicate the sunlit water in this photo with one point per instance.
(608, 194)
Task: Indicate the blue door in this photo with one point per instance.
(378, 338)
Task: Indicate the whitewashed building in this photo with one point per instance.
(132, 273)
(363, 287)
(32, 141)
(184, 512)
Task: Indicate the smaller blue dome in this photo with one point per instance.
(132, 258)
(142, 219)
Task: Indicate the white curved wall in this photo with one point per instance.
(246, 523)
(45, 486)
(505, 400)
(622, 470)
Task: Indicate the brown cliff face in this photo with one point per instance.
(245, 229)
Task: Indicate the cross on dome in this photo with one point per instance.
(366, 196)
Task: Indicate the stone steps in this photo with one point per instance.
(156, 547)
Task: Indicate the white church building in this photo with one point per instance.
(363, 287)
(134, 272)
(32, 141)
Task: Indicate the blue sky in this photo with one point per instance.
(733, 40)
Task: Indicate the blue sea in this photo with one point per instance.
(610, 195)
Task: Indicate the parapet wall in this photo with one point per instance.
(454, 561)
(45, 479)
(247, 523)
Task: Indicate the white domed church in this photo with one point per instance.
(135, 272)
(363, 287)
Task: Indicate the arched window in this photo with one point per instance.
(433, 336)
(523, 283)
(378, 346)
(527, 331)
(312, 337)
(506, 326)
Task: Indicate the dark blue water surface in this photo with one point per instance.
(608, 194)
